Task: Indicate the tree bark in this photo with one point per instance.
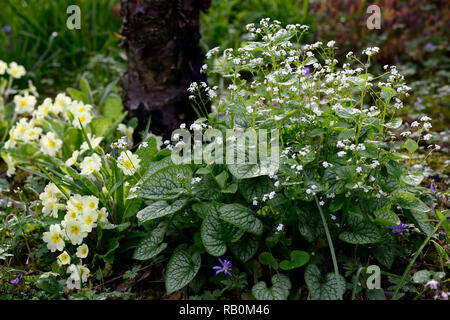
(161, 39)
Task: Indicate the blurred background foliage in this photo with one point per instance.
(34, 33)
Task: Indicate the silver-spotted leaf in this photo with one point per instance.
(279, 290)
(328, 287)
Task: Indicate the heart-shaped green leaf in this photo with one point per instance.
(279, 290)
(298, 259)
(181, 269)
(267, 259)
(215, 232)
(328, 287)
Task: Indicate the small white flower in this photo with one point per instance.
(358, 170)
(280, 227)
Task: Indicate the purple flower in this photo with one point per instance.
(432, 188)
(222, 114)
(117, 151)
(398, 229)
(433, 284)
(429, 46)
(419, 101)
(16, 280)
(307, 71)
(7, 29)
(225, 268)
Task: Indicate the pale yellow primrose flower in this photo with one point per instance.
(54, 238)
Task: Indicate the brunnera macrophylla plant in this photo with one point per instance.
(88, 200)
(347, 182)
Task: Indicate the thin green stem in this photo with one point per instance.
(330, 242)
(416, 255)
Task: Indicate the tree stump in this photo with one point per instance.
(161, 39)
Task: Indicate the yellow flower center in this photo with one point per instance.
(83, 251)
(88, 220)
(24, 103)
(32, 133)
(51, 143)
(128, 164)
(56, 238)
(79, 206)
(82, 119)
(64, 257)
(92, 204)
(74, 230)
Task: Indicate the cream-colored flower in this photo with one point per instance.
(90, 204)
(61, 104)
(128, 162)
(76, 204)
(63, 259)
(73, 159)
(83, 118)
(102, 215)
(54, 238)
(126, 131)
(3, 67)
(50, 144)
(95, 142)
(43, 110)
(74, 231)
(15, 70)
(51, 192)
(82, 251)
(78, 272)
(24, 104)
(90, 164)
(31, 134)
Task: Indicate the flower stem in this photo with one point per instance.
(330, 242)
